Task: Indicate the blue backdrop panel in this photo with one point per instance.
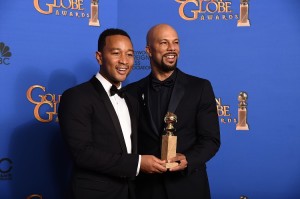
(41, 55)
(263, 61)
(55, 52)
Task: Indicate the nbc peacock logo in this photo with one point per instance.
(5, 54)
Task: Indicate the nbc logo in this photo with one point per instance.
(4, 54)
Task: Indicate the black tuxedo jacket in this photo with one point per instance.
(90, 126)
(198, 137)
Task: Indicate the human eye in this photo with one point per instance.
(163, 43)
(115, 53)
(129, 53)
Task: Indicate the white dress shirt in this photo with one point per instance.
(122, 111)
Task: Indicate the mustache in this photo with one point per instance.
(173, 53)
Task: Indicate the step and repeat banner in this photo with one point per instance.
(248, 49)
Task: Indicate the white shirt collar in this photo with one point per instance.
(105, 83)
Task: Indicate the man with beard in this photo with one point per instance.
(168, 89)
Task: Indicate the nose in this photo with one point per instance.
(123, 59)
(171, 47)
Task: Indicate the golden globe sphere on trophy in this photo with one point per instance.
(169, 140)
(242, 112)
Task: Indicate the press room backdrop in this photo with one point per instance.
(47, 46)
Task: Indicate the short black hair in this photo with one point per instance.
(110, 32)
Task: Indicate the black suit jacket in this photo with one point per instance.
(90, 126)
(198, 137)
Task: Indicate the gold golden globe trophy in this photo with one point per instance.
(244, 20)
(242, 112)
(169, 140)
(94, 20)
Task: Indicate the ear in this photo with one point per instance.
(99, 57)
(148, 50)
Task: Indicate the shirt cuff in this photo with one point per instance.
(139, 166)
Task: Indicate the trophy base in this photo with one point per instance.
(243, 24)
(94, 23)
(242, 128)
(171, 165)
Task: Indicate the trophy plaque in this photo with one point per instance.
(242, 112)
(94, 20)
(169, 140)
(244, 21)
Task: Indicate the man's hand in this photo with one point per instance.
(151, 164)
(181, 159)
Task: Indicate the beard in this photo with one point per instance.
(164, 67)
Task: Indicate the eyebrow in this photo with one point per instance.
(170, 39)
(129, 50)
(120, 49)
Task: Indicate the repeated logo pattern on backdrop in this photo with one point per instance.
(46, 105)
(6, 166)
(47, 46)
(141, 60)
(5, 54)
(207, 10)
(73, 9)
(238, 118)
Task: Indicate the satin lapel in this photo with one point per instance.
(145, 94)
(133, 125)
(110, 109)
(177, 93)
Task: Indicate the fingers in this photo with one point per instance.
(159, 168)
(151, 164)
(158, 165)
(178, 158)
(181, 159)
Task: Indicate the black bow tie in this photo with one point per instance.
(156, 84)
(114, 90)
